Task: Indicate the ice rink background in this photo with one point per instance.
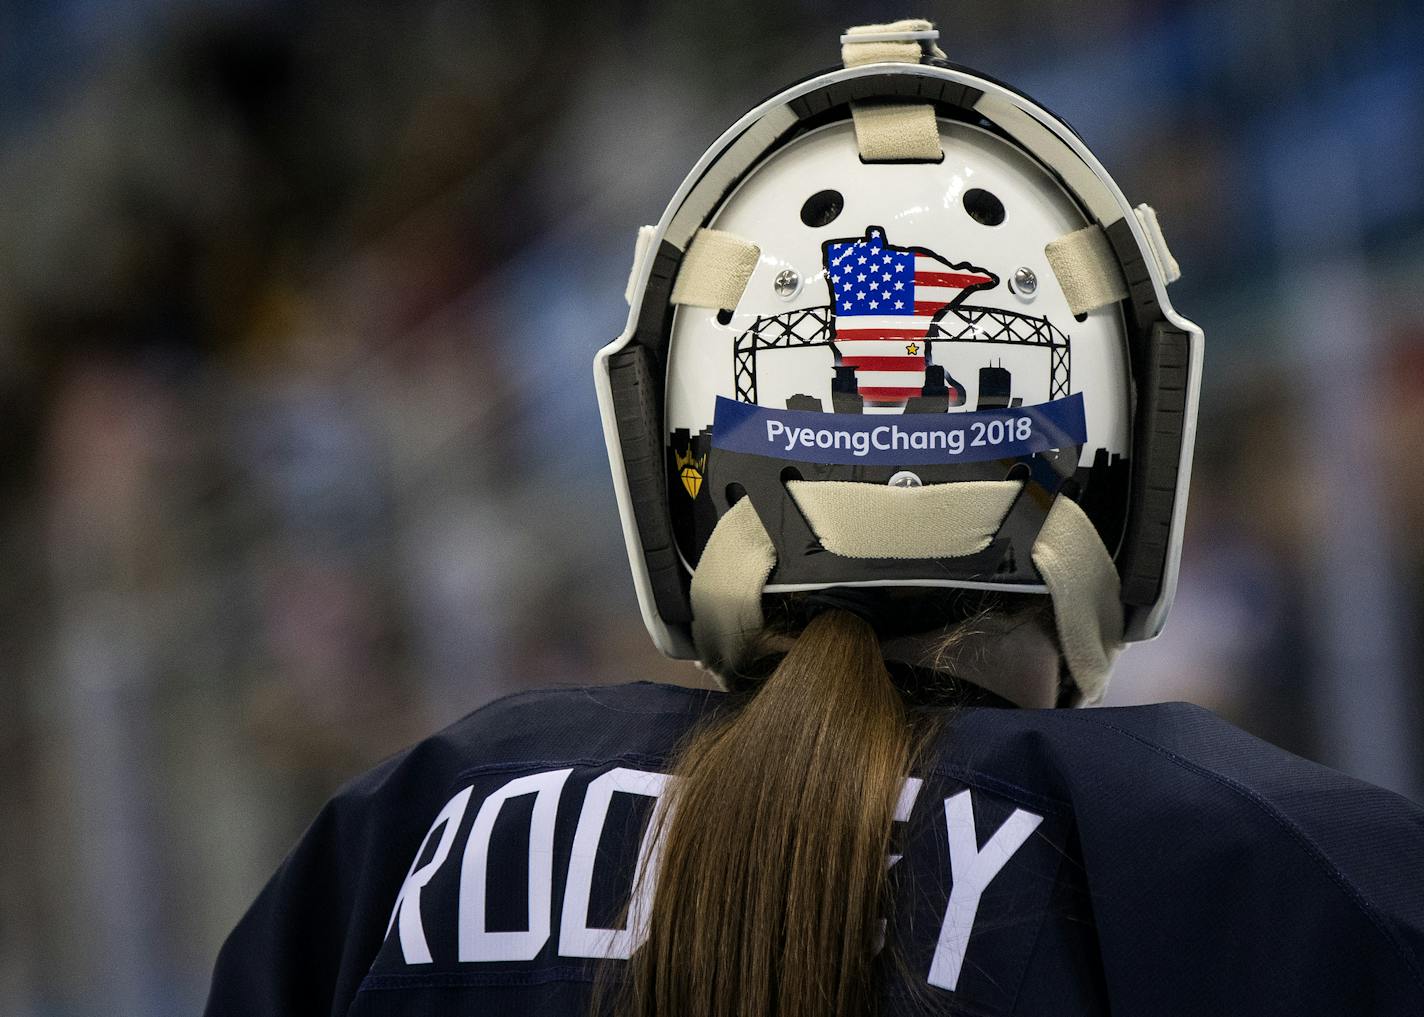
(300, 452)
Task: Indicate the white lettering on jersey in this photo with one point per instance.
(412, 932)
(904, 805)
(476, 943)
(973, 869)
(576, 939)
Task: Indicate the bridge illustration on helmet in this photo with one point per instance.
(813, 326)
(889, 304)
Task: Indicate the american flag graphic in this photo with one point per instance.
(885, 300)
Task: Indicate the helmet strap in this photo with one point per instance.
(732, 574)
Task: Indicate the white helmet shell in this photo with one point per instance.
(1097, 407)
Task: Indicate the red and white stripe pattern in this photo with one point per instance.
(885, 299)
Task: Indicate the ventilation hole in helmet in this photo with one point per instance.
(822, 208)
(735, 493)
(789, 474)
(983, 207)
(724, 317)
(1019, 471)
(1081, 317)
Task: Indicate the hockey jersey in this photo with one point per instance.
(1141, 861)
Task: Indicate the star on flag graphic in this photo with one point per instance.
(885, 300)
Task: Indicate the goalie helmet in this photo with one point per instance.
(899, 330)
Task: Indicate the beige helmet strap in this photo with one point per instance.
(1147, 217)
(1088, 271)
(894, 131)
(1083, 584)
(878, 521)
(967, 515)
(715, 270)
(897, 42)
(726, 588)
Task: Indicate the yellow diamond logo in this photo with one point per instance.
(689, 469)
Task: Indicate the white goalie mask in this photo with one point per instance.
(899, 330)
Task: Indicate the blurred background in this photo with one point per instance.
(300, 451)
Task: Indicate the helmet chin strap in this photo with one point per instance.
(1076, 568)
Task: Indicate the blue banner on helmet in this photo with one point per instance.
(922, 439)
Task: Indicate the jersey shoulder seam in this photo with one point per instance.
(1281, 819)
(513, 698)
(997, 785)
(557, 763)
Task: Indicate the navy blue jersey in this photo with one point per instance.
(1149, 860)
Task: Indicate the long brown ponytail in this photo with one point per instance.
(772, 881)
